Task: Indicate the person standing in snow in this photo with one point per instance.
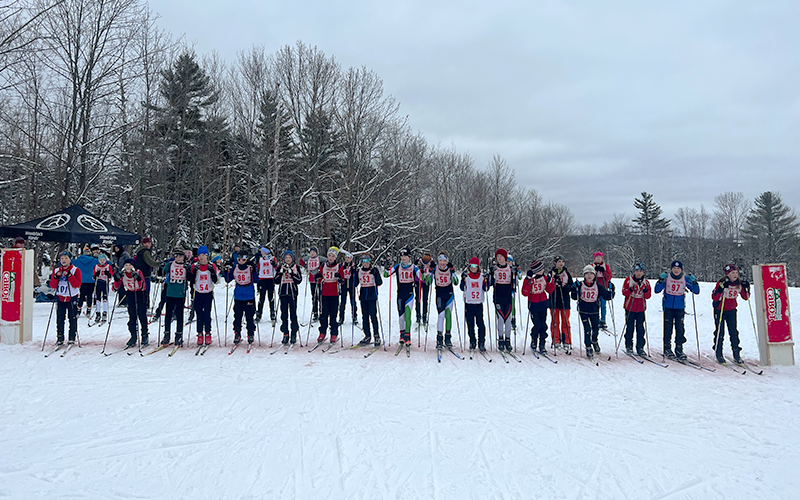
(328, 280)
(145, 262)
(312, 272)
(560, 305)
(675, 285)
(408, 277)
(267, 266)
(636, 290)
(132, 282)
(202, 277)
(349, 282)
(475, 285)
(369, 279)
(603, 273)
(536, 287)
(289, 277)
(724, 296)
(588, 294)
(86, 264)
(103, 272)
(66, 281)
(504, 280)
(444, 277)
(425, 265)
(178, 272)
(244, 274)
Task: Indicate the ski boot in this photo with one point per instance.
(679, 354)
(589, 352)
(721, 358)
(179, 339)
(603, 325)
(293, 339)
(165, 340)
(321, 338)
(250, 338)
(97, 317)
(568, 349)
(285, 339)
(472, 344)
(207, 338)
(60, 341)
(200, 339)
(439, 340)
(542, 350)
(132, 341)
(377, 340)
(258, 318)
(272, 316)
(237, 338)
(668, 352)
(513, 322)
(448, 340)
(334, 338)
(737, 359)
(405, 336)
(341, 320)
(105, 317)
(596, 347)
(145, 340)
(482, 346)
(355, 321)
(314, 316)
(71, 342)
(640, 352)
(533, 343)
(367, 340)
(629, 349)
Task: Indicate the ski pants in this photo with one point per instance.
(266, 289)
(369, 313)
(202, 306)
(474, 316)
(559, 324)
(87, 289)
(347, 288)
(591, 327)
(246, 308)
(444, 305)
(67, 311)
(539, 328)
(174, 308)
(289, 310)
(330, 305)
(101, 296)
(405, 306)
(163, 301)
(729, 319)
(503, 316)
(422, 310)
(636, 320)
(315, 299)
(674, 317)
(137, 309)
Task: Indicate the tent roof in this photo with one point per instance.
(73, 224)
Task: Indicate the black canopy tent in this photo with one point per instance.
(74, 224)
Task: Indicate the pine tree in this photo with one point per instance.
(649, 221)
(771, 228)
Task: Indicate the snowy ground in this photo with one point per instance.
(340, 426)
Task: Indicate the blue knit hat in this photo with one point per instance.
(288, 252)
(638, 267)
(676, 263)
(202, 250)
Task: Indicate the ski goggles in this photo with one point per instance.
(365, 259)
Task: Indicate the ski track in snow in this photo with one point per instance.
(320, 425)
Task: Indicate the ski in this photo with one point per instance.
(726, 365)
(355, 346)
(485, 356)
(249, 347)
(535, 354)
(471, 353)
(174, 350)
(514, 356)
(399, 348)
(330, 346)
(408, 350)
(505, 358)
(548, 358)
(372, 351)
(162, 346)
(646, 358)
(291, 346)
(119, 351)
(439, 354)
(752, 369)
(205, 348)
(58, 346)
(315, 347)
(281, 346)
(139, 350)
(235, 346)
(633, 357)
(66, 351)
(592, 359)
(199, 348)
(695, 364)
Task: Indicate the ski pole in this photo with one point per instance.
(753, 318)
(275, 305)
(390, 308)
(216, 316)
(717, 344)
(419, 305)
(614, 325)
(227, 310)
(48, 321)
(110, 319)
(527, 323)
(696, 330)
(308, 334)
(458, 325)
(380, 320)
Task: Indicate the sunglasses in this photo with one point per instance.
(366, 259)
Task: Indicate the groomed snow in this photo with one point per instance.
(336, 426)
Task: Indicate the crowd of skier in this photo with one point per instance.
(187, 279)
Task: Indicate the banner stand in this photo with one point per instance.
(773, 316)
(16, 295)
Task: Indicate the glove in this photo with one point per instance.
(386, 274)
(613, 294)
(600, 269)
(137, 277)
(450, 266)
(318, 278)
(428, 279)
(662, 276)
(726, 284)
(455, 280)
(530, 273)
(691, 278)
(746, 286)
(463, 275)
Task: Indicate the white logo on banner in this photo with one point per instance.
(92, 224)
(54, 222)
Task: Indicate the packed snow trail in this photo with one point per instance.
(312, 425)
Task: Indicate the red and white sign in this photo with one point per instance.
(778, 322)
(10, 285)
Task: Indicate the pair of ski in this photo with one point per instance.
(595, 358)
(544, 354)
(639, 359)
(400, 348)
(483, 353)
(740, 368)
(58, 348)
(236, 346)
(507, 354)
(356, 346)
(99, 323)
(290, 347)
(688, 362)
(440, 349)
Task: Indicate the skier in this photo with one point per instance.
(118, 257)
(244, 296)
(349, 283)
(588, 293)
(289, 277)
(674, 285)
(474, 285)
(267, 265)
(425, 265)
(369, 278)
(145, 262)
(328, 281)
(636, 290)
(66, 281)
(177, 271)
(444, 277)
(132, 281)
(86, 263)
(724, 296)
(202, 277)
(408, 276)
(603, 271)
(312, 271)
(536, 287)
(504, 281)
(560, 305)
(103, 272)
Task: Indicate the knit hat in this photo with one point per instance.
(443, 255)
(589, 270)
(729, 268)
(128, 261)
(347, 254)
(333, 250)
(537, 266)
(146, 240)
(178, 251)
(598, 254)
(502, 252)
(405, 251)
(288, 252)
(676, 263)
(242, 253)
(18, 240)
(510, 258)
(312, 249)
(215, 257)
(265, 250)
(102, 256)
(95, 247)
(558, 257)
(640, 266)
(65, 253)
(474, 262)
(202, 250)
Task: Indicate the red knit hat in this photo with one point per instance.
(502, 252)
(146, 240)
(598, 254)
(474, 262)
(729, 268)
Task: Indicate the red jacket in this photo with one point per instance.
(329, 276)
(540, 296)
(130, 282)
(731, 292)
(73, 276)
(604, 276)
(636, 294)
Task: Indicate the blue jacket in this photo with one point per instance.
(676, 301)
(247, 292)
(86, 264)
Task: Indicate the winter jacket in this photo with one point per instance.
(589, 304)
(675, 296)
(245, 276)
(70, 278)
(330, 276)
(636, 293)
(144, 261)
(86, 264)
(536, 289)
(289, 277)
(603, 273)
(562, 284)
(730, 290)
(177, 276)
(368, 290)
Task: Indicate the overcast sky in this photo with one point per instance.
(590, 102)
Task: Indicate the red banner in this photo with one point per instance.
(10, 284)
(775, 299)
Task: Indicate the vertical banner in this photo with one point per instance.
(776, 303)
(10, 286)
